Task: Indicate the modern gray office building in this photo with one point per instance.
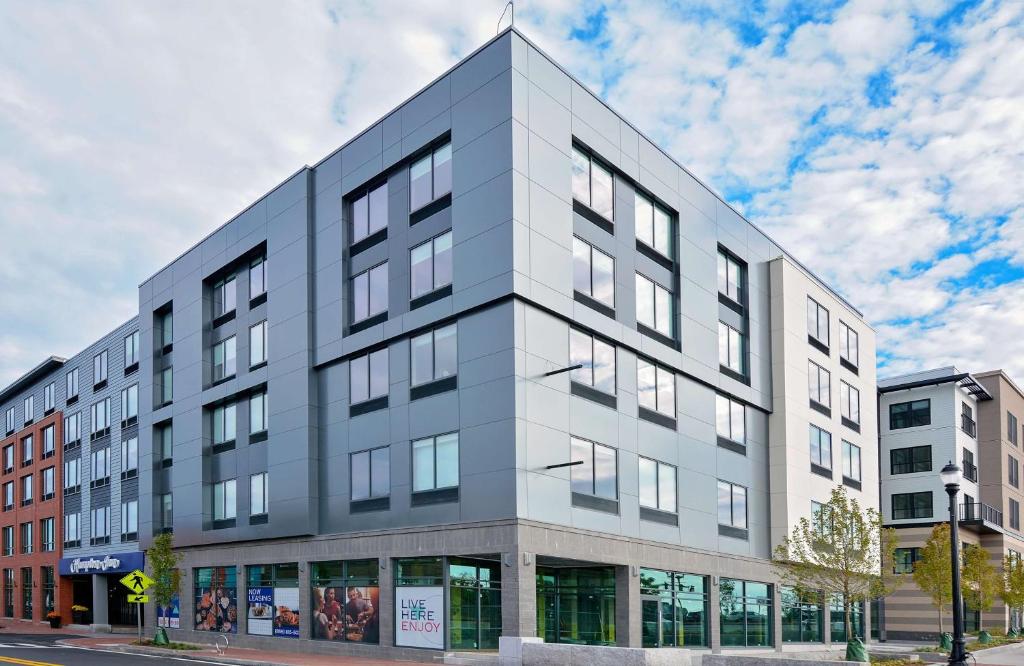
(497, 366)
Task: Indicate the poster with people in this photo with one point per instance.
(216, 600)
(346, 613)
(419, 617)
(273, 611)
(169, 616)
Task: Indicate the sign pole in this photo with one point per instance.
(138, 616)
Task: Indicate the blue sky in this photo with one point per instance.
(881, 142)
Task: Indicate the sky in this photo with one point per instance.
(881, 142)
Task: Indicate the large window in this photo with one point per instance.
(49, 397)
(731, 274)
(258, 276)
(165, 387)
(72, 476)
(681, 606)
(1011, 428)
(8, 540)
(224, 500)
(1014, 514)
(257, 343)
(215, 595)
(8, 495)
(72, 530)
(258, 413)
(259, 494)
(8, 458)
(732, 505)
(224, 424)
(904, 560)
(371, 473)
(370, 213)
(430, 177)
(597, 359)
(817, 322)
(130, 405)
(165, 511)
(48, 443)
(130, 520)
(746, 613)
(911, 505)
(851, 461)
(656, 388)
(435, 462)
(27, 450)
(819, 384)
(345, 601)
(99, 368)
(1013, 470)
(592, 184)
(653, 225)
(368, 376)
(821, 447)
(593, 272)
(72, 430)
(30, 409)
(801, 617)
(72, 384)
(849, 402)
(27, 488)
(46, 535)
(26, 590)
(838, 619)
(49, 480)
(9, 420)
(164, 329)
(848, 345)
(129, 457)
(658, 485)
(596, 471)
(911, 459)
(576, 605)
(732, 345)
(272, 597)
(370, 292)
(653, 306)
(100, 521)
(224, 296)
(730, 419)
(431, 265)
(910, 414)
(100, 467)
(224, 359)
(435, 355)
(131, 349)
(163, 444)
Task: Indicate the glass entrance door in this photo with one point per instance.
(650, 619)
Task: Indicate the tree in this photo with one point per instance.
(843, 551)
(163, 565)
(933, 573)
(982, 583)
(1013, 582)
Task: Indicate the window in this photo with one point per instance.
(131, 349)
(1014, 514)
(259, 494)
(72, 530)
(30, 409)
(48, 443)
(8, 459)
(435, 355)
(49, 397)
(967, 423)
(911, 505)
(224, 500)
(970, 469)
(100, 519)
(905, 559)
(431, 265)
(598, 473)
(224, 359)
(258, 276)
(27, 488)
(910, 414)
(1013, 468)
(653, 306)
(165, 387)
(163, 444)
(731, 274)
(731, 348)
(746, 613)
(1011, 428)
(165, 509)
(848, 348)
(368, 376)
(27, 450)
(370, 213)
(258, 344)
(258, 413)
(130, 520)
(9, 419)
(72, 476)
(49, 483)
(817, 322)
(593, 273)
(435, 462)
(656, 388)
(224, 296)
(72, 430)
(653, 225)
(821, 447)
(597, 359)
(851, 461)
(819, 384)
(801, 617)
(224, 424)
(592, 184)
(72, 384)
(371, 474)
(849, 402)
(8, 540)
(8, 495)
(27, 538)
(99, 368)
(130, 405)
(100, 418)
(165, 328)
(430, 177)
(129, 457)
(911, 459)
(100, 466)
(370, 292)
(658, 485)
(732, 505)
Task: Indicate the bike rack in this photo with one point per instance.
(216, 645)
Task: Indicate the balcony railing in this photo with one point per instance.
(968, 425)
(983, 512)
(970, 471)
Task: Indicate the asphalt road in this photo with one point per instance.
(42, 650)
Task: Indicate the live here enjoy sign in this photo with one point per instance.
(419, 617)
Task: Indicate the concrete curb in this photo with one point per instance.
(204, 654)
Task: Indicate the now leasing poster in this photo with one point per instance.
(419, 617)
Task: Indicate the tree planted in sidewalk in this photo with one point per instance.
(163, 565)
(982, 582)
(932, 571)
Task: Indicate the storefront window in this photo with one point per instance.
(474, 604)
(419, 603)
(801, 618)
(746, 613)
(674, 609)
(576, 605)
(272, 600)
(216, 599)
(8, 592)
(26, 593)
(346, 601)
(48, 585)
(839, 619)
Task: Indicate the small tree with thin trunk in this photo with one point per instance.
(843, 551)
(982, 583)
(1013, 583)
(933, 573)
(163, 565)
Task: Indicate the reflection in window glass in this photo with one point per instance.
(370, 292)
(597, 475)
(431, 265)
(593, 273)
(435, 355)
(653, 306)
(730, 419)
(597, 359)
(657, 485)
(436, 462)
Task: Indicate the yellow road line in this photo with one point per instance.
(25, 662)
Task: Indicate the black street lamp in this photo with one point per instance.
(951, 476)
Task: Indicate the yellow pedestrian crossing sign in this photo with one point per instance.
(138, 598)
(137, 582)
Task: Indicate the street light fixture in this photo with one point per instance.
(951, 476)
